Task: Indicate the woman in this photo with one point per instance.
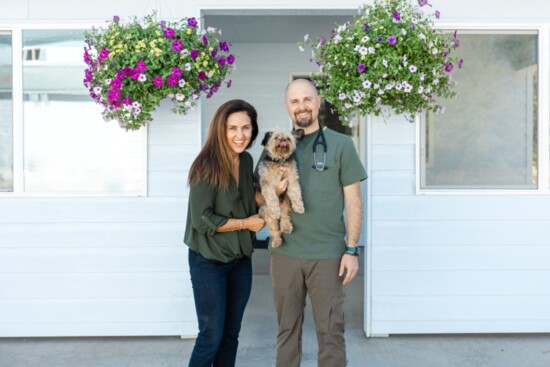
(221, 222)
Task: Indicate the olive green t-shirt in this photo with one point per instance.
(320, 232)
(210, 208)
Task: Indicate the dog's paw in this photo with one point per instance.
(298, 208)
(286, 227)
(276, 241)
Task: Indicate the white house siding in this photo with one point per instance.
(453, 263)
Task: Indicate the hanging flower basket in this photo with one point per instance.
(388, 56)
(132, 66)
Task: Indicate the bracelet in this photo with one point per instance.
(354, 249)
(351, 253)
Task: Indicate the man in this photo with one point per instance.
(320, 256)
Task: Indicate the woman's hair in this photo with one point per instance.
(213, 164)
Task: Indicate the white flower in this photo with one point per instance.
(211, 29)
(108, 81)
(180, 96)
(389, 86)
(182, 83)
(363, 50)
(422, 36)
(347, 106)
(420, 90)
(407, 87)
(306, 37)
(372, 50)
(365, 39)
(136, 104)
(187, 67)
(342, 96)
(434, 51)
(137, 111)
(381, 91)
(142, 77)
(356, 48)
(184, 52)
(367, 84)
(171, 95)
(412, 68)
(403, 32)
(357, 98)
(376, 86)
(97, 90)
(385, 63)
(422, 76)
(436, 81)
(301, 49)
(399, 86)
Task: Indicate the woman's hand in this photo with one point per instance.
(253, 223)
(281, 187)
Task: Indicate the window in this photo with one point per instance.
(6, 113)
(67, 148)
(487, 138)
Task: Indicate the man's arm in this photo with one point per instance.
(354, 218)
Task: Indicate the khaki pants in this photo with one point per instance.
(292, 279)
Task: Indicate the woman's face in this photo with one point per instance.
(238, 131)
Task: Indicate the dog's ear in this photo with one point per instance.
(298, 134)
(266, 137)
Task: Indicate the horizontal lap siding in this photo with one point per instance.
(93, 266)
(451, 263)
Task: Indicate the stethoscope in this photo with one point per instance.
(320, 139)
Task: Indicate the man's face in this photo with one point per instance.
(302, 103)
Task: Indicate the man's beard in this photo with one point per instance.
(303, 123)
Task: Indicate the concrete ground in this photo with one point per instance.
(258, 339)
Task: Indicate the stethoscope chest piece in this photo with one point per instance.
(320, 140)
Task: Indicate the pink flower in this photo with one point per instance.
(169, 33)
(157, 81)
(177, 45)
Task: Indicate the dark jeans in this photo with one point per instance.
(221, 293)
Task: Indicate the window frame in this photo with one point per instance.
(17, 30)
(543, 126)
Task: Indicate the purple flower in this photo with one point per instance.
(454, 34)
(457, 42)
(87, 59)
(169, 33)
(116, 83)
(230, 59)
(192, 22)
(176, 72)
(392, 40)
(201, 75)
(460, 63)
(413, 27)
(223, 46)
(221, 61)
(126, 101)
(214, 53)
(115, 103)
(141, 67)
(361, 68)
(134, 74)
(177, 45)
(113, 94)
(157, 81)
(449, 67)
(380, 39)
(203, 86)
(116, 19)
(396, 16)
(162, 24)
(437, 14)
(367, 26)
(172, 80)
(229, 83)
(205, 40)
(194, 54)
(87, 75)
(422, 2)
(104, 53)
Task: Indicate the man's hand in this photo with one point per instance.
(350, 264)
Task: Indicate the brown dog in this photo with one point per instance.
(277, 165)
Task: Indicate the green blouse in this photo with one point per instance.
(210, 208)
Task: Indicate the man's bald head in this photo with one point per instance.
(300, 82)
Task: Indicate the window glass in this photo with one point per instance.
(67, 145)
(6, 112)
(487, 136)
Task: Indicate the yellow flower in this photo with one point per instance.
(189, 31)
(210, 74)
(157, 32)
(205, 63)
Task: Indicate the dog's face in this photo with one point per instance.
(279, 145)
